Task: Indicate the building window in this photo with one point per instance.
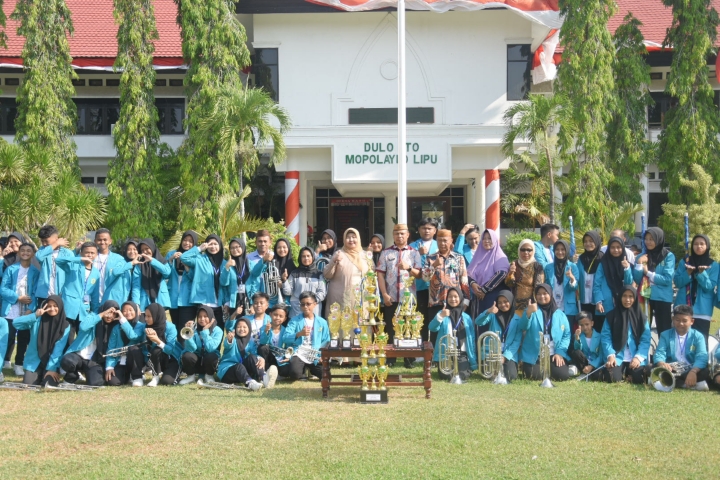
(8, 112)
(171, 114)
(367, 116)
(265, 69)
(379, 218)
(519, 64)
(97, 116)
(656, 112)
(655, 203)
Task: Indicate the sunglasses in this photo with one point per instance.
(526, 250)
(306, 304)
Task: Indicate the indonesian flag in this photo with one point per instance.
(545, 60)
(544, 12)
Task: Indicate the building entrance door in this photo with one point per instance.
(351, 213)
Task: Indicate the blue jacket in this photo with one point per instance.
(140, 296)
(661, 279)
(443, 326)
(134, 335)
(256, 267)
(231, 355)
(570, 304)
(77, 287)
(512, 334)
(641, 350)
(115, 272)
(172, 347)
(178, 285)
(462, 248)
(421, 284)
(706, 281)
(695, 348)
(320, 332)
(202, 289)
(593, 353)
(205, 341)
(230, 324)
(582, 276)
(9, 284)
(4, 332)
(533, 325)
(44, 257)
(540, 253)
(266, 337)
(229, 293)
(32, 361)
(602, 292)
(86, 333)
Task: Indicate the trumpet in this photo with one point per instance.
(544, 358)
(220, 386)
(188, 332)
(281, 355)
(69, 387)
(20, 386)
(491, 358)
(448, 357)
(271, 281)
(664, 380)
(122, 351)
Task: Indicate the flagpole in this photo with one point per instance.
(402, 127)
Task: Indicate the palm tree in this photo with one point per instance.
(535, 123)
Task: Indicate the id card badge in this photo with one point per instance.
(547, 338)
(241, 289)
(86, 299)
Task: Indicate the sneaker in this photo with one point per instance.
(701, 386)
(254, 386)
(572, 369)
(138, 382)
(270, 377)
(81, 378)
(18, 369)
(7, 365)
(209, 379)
(188, 379)
(154, 382)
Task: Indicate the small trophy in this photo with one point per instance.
(347, 324)
(334, 320)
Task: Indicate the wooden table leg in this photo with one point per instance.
(427, 373)
(325, 380)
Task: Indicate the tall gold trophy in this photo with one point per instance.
(334, 320)
(407, 320)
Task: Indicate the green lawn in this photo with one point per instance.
(576, 430)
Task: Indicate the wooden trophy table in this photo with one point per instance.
(426, 352)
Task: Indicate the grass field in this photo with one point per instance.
(476, 430)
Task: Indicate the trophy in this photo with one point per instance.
(407, 320)
(364, 374)
(415, 326)
(347, 321)
(334, 320)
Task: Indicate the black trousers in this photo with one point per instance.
(463, 369)
(244, 372)
(510, 370)
(701, 325)
(218, 312)
(181, 315)
(74, 364)
(663, 315)
(194, 364)
(702, 376)
(556, 373)
(580, 361)
(598, 319)
(618, 372)
(297, 369)
(74, 327)
(423, 299)
(161, 362)
(23, 340)
(132, 370)
(38, 378)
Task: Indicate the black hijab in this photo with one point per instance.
(12, 256)
(306, 270)
(561, 265)
(151, 278)
(376, 255)
(213, 322)
(51, 330)
(241, 273)
(330, 251)
(620, 317)
(132, 322)
(179, 266)
(103, 330)
(657, 254)
(242, 342)
(548, 310)
(286, 262)
(503, 318)
(216, 260)
(695, 260)
(590, 259)
(613, 269)
(456, 316)
(157, 312)
(130, 242)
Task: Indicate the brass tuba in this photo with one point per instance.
(664, 380)
(544, 362)
(490, 358)
(448, 357)
(271, 281)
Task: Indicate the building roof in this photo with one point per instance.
(94, 43)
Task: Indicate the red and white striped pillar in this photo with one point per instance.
(492, 199)
(292, 204)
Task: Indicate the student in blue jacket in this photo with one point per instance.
(451, 319)
(562, 275)
(182, 310)
(588, 263)
(80, 292)
(654, 272)
(111, 267)
(201, 352)
(3, 341)
(696, 278)
(587, 355)
(684, 344)
(626, 340)
(164, 356)
(17, 292)
(210, 274)
(546, 318)
(257, 262)
(272, 335)
(235, 294)
(549, 234)
(150, 286)
(129, 332)
(425, 245)
(612, 276)
(468, 241)
(306, 328)
(9, 252)
(239, 362)
(131, 254)
(85, 354)
(51, 279)
(49, 331)
(504, 321)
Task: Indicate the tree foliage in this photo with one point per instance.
(132, 180)
(47, 116)
(692, 125)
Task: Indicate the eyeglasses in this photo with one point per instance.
(306, 304)
(526, 250)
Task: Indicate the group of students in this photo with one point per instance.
(102, 316)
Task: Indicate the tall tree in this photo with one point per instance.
(47, 115)
(691, 126)
(133, 177)
(585, 77)
(628, 146)
(214, 48)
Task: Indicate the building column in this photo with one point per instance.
(304, 204)
(390, 211)
(492, 199)
(292, 204)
